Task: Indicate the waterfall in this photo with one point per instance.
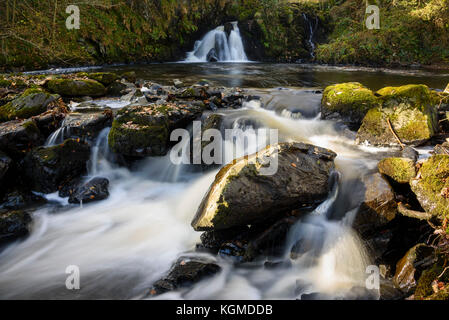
(58, 136)
(217, 46)
(312, 28)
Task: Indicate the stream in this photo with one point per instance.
(122, 245)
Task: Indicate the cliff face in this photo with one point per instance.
(33, 33)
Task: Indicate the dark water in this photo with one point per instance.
(264, 75)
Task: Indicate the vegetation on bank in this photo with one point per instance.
(33, 33)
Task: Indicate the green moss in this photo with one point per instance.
(105, 78)
(351, 100)
(432, 187)
(400, 170)
(73, 88)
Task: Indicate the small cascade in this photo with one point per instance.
(217, 46)
(58, 136)
(313, 25)
(100, 154)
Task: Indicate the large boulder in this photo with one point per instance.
(410, 267)
(13, 225)
(31, 103)
(431, 186)
(349, 102)
(400, 170)
(47, 168)
(17, 137)
(139, 131)
(242, 196)
(408, 113)
(185, 272)
(379, 206)
(76, 87)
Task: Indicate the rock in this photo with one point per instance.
(87, 124)
(212, 56)
(241, 196)
(349, 102)
(51, 120)
(94, 190)
(442, 149)
(411, 112)
(228, 27)
(76, 87)
(409, 153)
(13, 225)
(410, 267)
(139, 131)
(47, 168)
(105, 78)
(379, 206)
(16, 137)
(129, 76)
(431, 186)
(5, 163)
(424, 288)
(400, 170)
(185, 272)
(178, 83)
(31, 103)
(116, 89)
(21, 199)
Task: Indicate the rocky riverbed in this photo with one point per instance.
(382, 188)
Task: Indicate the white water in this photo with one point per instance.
(125, 243)
(228, 49)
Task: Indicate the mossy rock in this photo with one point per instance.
(424, 287)
(140, 131)
(431, 186)
(400, 170)
(48, 168)
(76, 87)
(408, 111)
(19, 136)
(105, 78)
(32, 102)
(350, 101)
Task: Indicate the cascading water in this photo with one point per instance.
(217, 46)
(312, 28)
(125, 243)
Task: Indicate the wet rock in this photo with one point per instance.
(16, 137)
(184, 273)
(48, 168)
(409, 153)
(233, 250)
(212, 55)
(178, 83)
(5, 163)
(105, 78)
(431, 186)
(116, 89)
(21, 199)
(130, 76)
(51, 120)
(213, 240)
(76, 87)
(408, 111)
(442, 149)
(410, 267)
(228, 27)
(32, 102)
(349, 102)
(13, 225)
(379, 206)
(87, 124)
(139, 131)
(400, 170)
(94, 190)
(242, 196)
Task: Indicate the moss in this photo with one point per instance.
(400, 170)
(432, 186)
(105, 78)
(77, 87)
(351, 100)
